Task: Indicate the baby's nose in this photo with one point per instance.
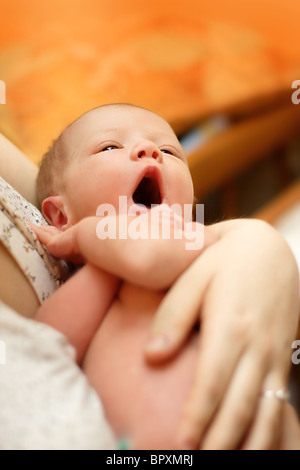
(146, 149)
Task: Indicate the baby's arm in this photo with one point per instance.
(152, 262)
(78, 307)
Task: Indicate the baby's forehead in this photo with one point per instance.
(108, 116)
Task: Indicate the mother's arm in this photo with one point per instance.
(245, 292)
(81, 426)
(17, 169)
(15, 289)
(20, 173)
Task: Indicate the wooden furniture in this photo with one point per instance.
(281, 205)
(253, 138)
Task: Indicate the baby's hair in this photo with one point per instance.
(51, 170)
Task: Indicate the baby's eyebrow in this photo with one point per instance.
(95, 139)
(110, 129)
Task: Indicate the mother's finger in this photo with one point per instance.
(290, 436)
(235, 415)
(177, 314)
(215, 368)
(265, 433)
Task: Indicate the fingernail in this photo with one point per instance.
(157, 343)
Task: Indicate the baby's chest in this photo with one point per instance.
(133, 299)
(125, 326)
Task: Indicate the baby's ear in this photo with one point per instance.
(53, 211)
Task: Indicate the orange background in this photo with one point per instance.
(182, 59)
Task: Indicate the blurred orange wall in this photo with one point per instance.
(62, 57)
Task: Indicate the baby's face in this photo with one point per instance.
(121, 150)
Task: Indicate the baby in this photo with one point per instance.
(106, 308)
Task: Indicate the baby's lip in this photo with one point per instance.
(148, 189)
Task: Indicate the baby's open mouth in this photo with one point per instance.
(148, 192)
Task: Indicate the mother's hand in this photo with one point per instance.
(245, 291)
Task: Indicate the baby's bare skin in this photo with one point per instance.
(155, 395)
(118, 147)
(26, 302)
(108, 323)
(116, 367)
